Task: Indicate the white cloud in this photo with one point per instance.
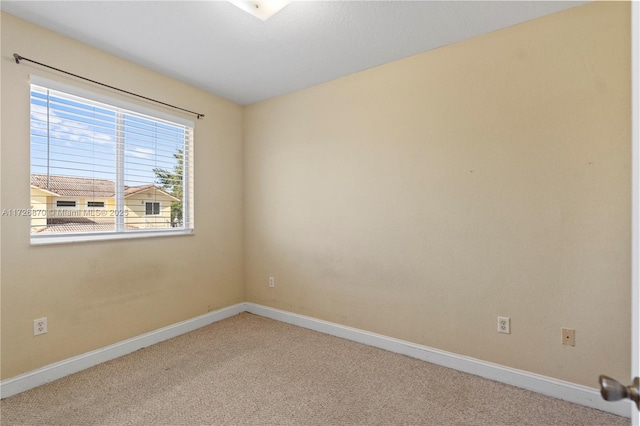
(139, 152)
(67, 129)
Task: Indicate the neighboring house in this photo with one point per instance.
(73, 204)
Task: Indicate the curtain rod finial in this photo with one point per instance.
(17, 58)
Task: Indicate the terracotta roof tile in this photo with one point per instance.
(130, 190)
(80, 220)
(70, 186)
(80, 224)
(79, 227)
(74, 186)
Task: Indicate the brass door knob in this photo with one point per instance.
(612, 390)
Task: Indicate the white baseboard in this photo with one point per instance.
(571, 392)
(68, 366)
(567, 391)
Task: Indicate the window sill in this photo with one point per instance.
(38, 240)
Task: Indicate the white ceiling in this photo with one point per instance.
(223, 50)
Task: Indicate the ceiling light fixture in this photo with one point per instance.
(263, 10)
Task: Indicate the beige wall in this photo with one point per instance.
(420, 200)
(43, 207)
(96, 294)
(136, 209)
(423, 198)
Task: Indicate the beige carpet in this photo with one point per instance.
(249, 370)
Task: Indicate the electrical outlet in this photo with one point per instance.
(568, 336)
(504, 325)
(39, 326)
(272, 282)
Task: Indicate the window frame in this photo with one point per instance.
(73, 207)
(104, 204)
(152, 209)
(188, 174)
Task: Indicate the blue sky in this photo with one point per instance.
(83, 140)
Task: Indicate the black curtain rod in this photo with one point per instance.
(19, 58)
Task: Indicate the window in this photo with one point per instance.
(85, 147)
(64, 203)
(151, 208)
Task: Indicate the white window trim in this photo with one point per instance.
(105, 236)
(98, 97)
(110, 235)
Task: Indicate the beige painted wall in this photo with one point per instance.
(96, 294)
(137, 214)
(423, 198)
(419, 200)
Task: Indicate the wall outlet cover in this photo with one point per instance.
(39, 326)
(504, 325)
(568, 336)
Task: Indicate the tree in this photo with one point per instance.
(171, 181)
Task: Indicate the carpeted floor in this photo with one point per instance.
(249, 370)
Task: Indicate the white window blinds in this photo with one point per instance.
(99, 154)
